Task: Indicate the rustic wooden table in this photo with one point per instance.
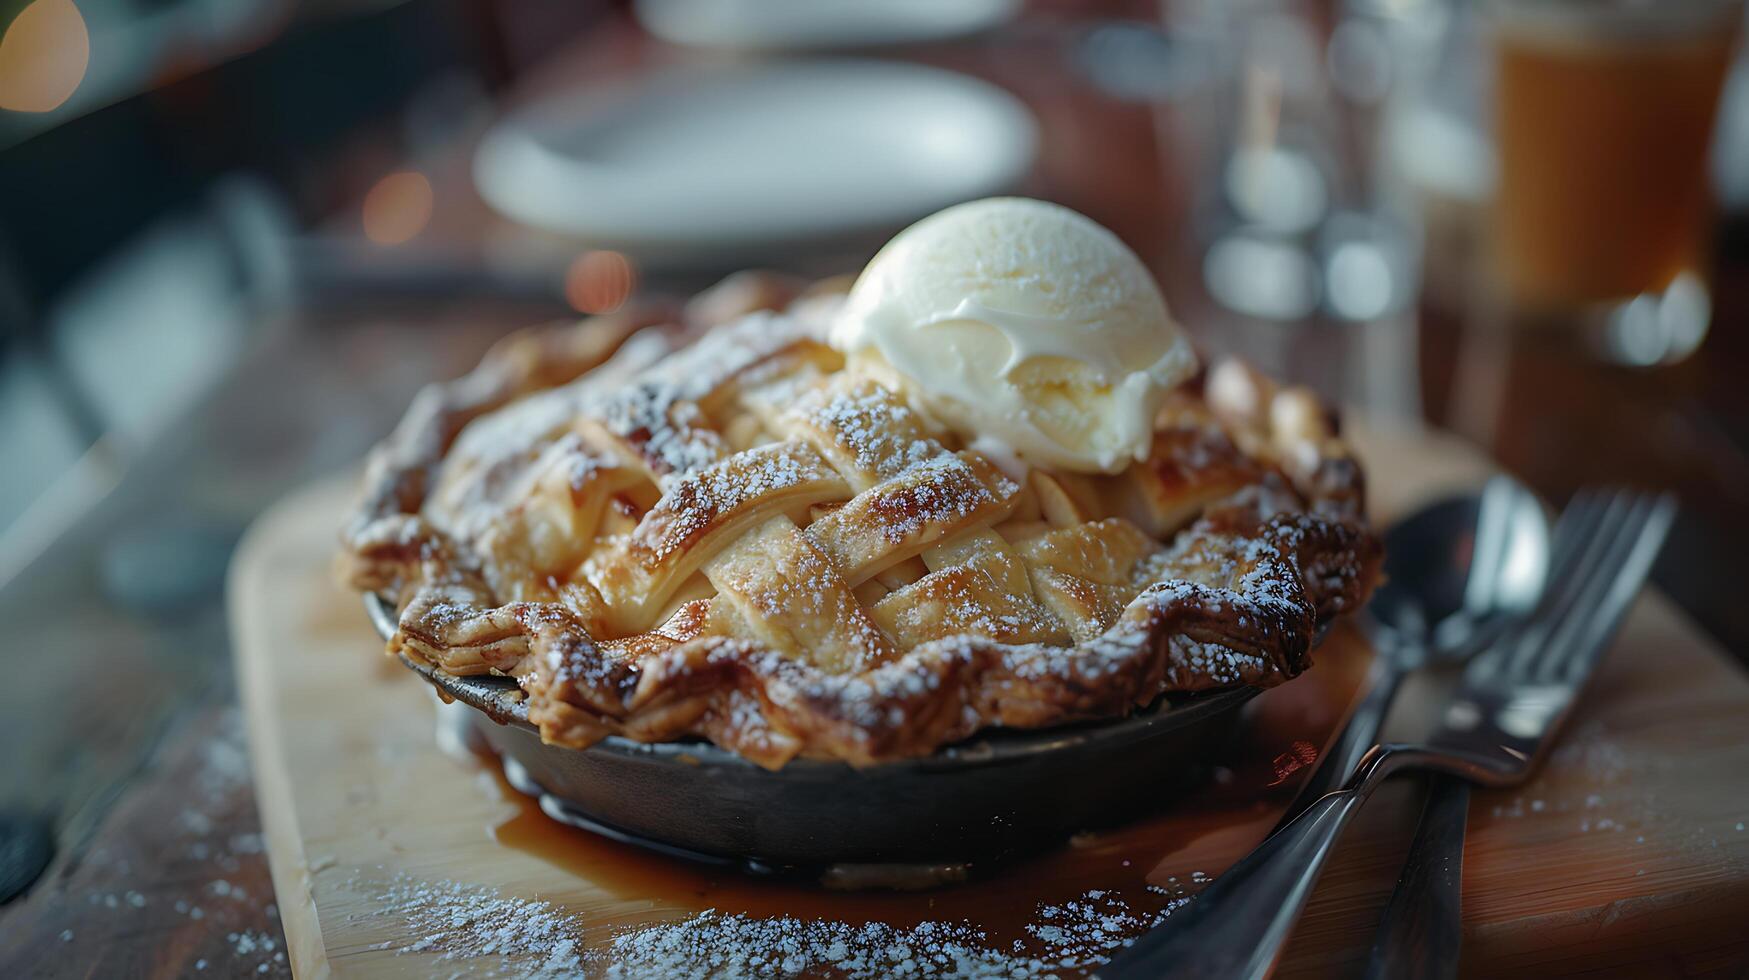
(119, 713)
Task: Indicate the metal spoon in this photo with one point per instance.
(1457, 573)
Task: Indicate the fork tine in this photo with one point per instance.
(1571, 530)
(1575, 526)
(1575, 658)
(1576, 532)
(1613, 541)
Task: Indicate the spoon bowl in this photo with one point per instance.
(1458, 571)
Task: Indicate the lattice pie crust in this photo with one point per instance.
(739, 538)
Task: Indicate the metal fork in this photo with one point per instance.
(1421, 933)
(1493, 733)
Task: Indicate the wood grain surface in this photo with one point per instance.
(1626, 854)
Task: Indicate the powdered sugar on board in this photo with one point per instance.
(1063, 939)
(478, 932)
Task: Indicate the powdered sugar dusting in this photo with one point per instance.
(484, 933)
(709, 497)
(658, 415)
(520, 937)
(1065, 939)
(881, 434)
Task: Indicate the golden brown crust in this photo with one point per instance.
(743, 541)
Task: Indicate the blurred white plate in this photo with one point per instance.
(798, 24)
(695, 163)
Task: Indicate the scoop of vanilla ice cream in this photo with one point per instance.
(1023, 323)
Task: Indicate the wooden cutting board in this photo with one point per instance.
(392, 857)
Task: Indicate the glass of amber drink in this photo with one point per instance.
(1603, 119)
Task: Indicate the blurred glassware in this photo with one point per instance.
(1731, 141)
(1141, 63)
(1308, 239)
(793, 25)
(730, 165)
(1441, 145)
(1602, 218)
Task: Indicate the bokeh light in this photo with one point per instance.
(599, 281)
(1261, 276)
(43, 56)
(397, 208)
(1358, 281)
(1660, 327)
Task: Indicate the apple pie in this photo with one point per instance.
(735, 533)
